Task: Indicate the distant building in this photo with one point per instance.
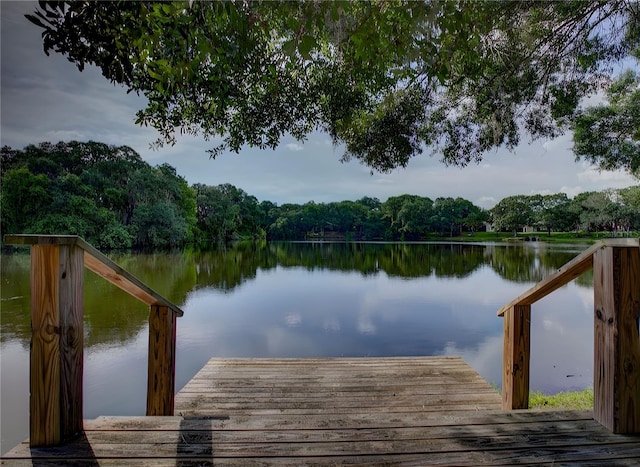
(489, 227)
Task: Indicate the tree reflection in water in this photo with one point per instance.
(308, 299)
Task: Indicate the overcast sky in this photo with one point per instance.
(48, 99)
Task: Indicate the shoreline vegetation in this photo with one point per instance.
(578, 399)
(114, 200)
(569, 400)
(540, 237)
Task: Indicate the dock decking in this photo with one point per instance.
(345, 411)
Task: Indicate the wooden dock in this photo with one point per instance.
(347, 411)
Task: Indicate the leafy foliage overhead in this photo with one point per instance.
(609, 134)
(386, 78)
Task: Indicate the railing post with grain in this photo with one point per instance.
(162, 361)
(516, 357)
(616, 383)
(616, 386)
(56, 359)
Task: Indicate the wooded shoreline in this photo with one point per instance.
(113, 199)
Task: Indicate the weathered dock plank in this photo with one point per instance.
(314, 387)
(319, 412)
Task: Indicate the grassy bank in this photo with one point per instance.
(556, 237)
(578, 400)
(567, 400)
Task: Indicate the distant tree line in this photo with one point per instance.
(111, 197)
(404, 217)
(615, 211)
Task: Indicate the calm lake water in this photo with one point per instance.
(308, 300)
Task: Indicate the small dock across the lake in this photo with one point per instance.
(344, 411)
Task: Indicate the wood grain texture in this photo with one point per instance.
(71, 315)
(574, 268)
(325, 390)
(628, 359)
(516, 358)
(45, 372)
(162, 361)
(100, 264)
(56, 357)
(270, 423)
(616, 340)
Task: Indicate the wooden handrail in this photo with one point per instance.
(616, 383)
(100, 264)
(57, 334)
(574, 268)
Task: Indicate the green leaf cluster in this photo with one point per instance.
(608, 134)
(226, 213)
(105, 194)
(385, 78)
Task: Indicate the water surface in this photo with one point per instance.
(308, 300)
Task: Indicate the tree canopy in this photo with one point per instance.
(114, 199)
(608, 135)
(106, 194)
(385, 78)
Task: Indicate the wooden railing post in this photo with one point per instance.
(616, 376)
(57, 332)
(162, 360)
(516, 357)
(55, 401)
